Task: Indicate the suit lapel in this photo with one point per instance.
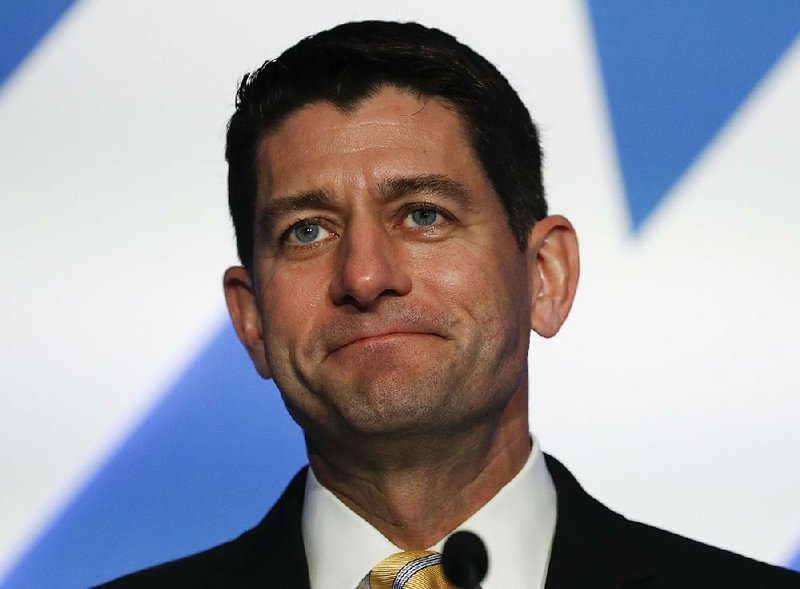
(272, 554)
(592, 546)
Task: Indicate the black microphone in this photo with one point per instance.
(464, 560)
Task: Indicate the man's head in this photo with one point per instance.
(351, 62)
(384, 291)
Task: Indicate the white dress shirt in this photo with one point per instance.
(517, 526)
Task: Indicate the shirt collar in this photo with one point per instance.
(517, 526)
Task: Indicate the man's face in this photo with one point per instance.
(393, 298)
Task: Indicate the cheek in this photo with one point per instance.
(290, 302)
(465, 281)
(490, 287)
(480, 275)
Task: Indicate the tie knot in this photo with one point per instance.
(408, 570)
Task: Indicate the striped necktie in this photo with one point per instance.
(408, 570)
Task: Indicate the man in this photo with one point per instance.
(385, 185)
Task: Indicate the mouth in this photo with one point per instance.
(390, 331)
(380, 339)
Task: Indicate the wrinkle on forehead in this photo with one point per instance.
(373, 124)
(392, 120)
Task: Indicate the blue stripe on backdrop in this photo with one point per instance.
(204, 466)
(23, 23)
(795, 563)
(717, 50)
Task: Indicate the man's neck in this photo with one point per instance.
(417, 501)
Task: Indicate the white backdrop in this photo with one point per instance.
(671, 392)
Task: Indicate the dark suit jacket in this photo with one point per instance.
(593, 548)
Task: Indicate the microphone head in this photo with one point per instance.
(464, 560)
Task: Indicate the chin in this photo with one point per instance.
(386, 408)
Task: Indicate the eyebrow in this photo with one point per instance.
(284, 206)
(439, 185)
(389, 190)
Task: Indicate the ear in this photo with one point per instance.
(246, 316)
(554, 267)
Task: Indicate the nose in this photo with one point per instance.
(370, 266)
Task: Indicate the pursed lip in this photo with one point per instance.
(340, 339)
(377, 336)
(344, 330)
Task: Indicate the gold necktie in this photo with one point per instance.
(407, 570)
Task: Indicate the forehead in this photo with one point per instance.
(389, 134)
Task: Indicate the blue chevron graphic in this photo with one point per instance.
(204, 466)
(22, 26)
(674, 73)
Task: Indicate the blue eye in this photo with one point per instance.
(306, 232)
(425, 217)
